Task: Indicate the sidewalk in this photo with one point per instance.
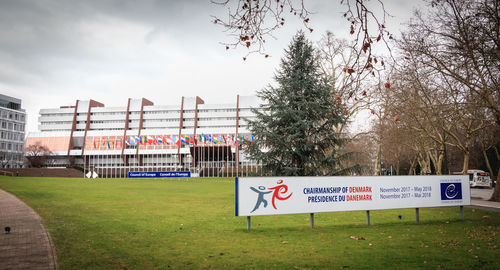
(28, 245)
(483, 204)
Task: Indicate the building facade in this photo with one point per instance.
(206, 139)
(12, 130)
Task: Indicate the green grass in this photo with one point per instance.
(179, 224)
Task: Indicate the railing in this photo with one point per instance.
(6, 173)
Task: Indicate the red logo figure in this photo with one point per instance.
(279, 190)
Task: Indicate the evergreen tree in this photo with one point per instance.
(294, 133)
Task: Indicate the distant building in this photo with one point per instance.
(205, 139)
(12, 125)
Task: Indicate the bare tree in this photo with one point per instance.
(351, 89)
(250, 23)
(460, 40)
(380, 108)
(488, 139)
(37, 154)
(363, 147)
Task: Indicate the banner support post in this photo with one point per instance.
(248, 223)
(367, 217)
(417, 213)
(462, 211)
(312, 220)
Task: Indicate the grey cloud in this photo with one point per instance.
(35, 35)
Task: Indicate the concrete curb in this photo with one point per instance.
(488, 205)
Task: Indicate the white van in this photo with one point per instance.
(478, 178)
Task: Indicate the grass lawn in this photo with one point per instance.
(179, 224)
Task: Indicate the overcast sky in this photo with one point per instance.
(53, 52)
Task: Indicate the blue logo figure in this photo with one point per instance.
(451, 191)
(260, 198)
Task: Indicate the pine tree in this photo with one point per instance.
(294, 131)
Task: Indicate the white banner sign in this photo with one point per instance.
(292, 195)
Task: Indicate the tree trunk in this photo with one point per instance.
(434, 158)
(466, 155)
(428, 170)
(487, 163)
(425, 164)
(496, 193)
(466, 163)
(376, 167)
(439, 165)
(411, 171)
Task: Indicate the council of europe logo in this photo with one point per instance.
(277, 191)
(451, 191)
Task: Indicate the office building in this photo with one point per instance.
(206, 139)
(12, 125)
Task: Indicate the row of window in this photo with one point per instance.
(18, 147)
(12, 116)
(217, 119)
(56, 123)
(56, 114)
(144, 121)
(6, 135)
(104, 122)
(216, 110)
(6, 157)
(160, 120)
(163, 112)
(12, 126)
(145, 112)
(55, 130)
(108, 113)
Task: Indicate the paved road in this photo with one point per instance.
(481, 193)
(28, 245)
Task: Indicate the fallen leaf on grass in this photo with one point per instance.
(356, 237)
(284, 242)
(486, 217)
